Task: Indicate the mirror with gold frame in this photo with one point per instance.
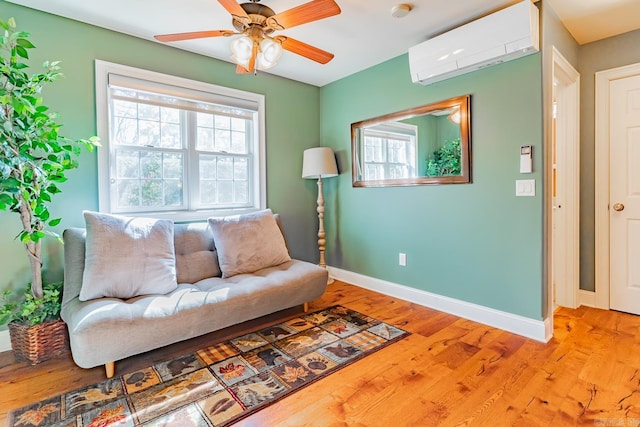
(425, 145)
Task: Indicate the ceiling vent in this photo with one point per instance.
(496, 38)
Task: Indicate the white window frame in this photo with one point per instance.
(104, 68)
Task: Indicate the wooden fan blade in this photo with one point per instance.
(241, 70)
(192, 35)
(308, 12)
(306, 50)
(236, 11)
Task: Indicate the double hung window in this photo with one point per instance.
(175, 147)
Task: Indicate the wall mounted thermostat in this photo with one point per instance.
(526, 157)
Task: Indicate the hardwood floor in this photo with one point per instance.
(450, 372)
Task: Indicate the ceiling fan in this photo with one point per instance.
(255, 23)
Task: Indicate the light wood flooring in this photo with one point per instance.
(449, 372)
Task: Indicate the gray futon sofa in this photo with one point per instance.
(104, 330)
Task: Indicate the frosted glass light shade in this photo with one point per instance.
(319, 162)
(241, 49)
(270, 52)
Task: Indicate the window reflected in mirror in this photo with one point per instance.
(390, 151)
(424, 145)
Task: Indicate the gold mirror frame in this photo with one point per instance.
(463, 103)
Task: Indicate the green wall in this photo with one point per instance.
(292, 125)
(475, 242)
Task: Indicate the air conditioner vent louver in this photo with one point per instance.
(496, 38)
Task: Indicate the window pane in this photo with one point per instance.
(204, 139)
(125, 109)
(225, 192)
(240, 169)
(125, 131)
(397, 171)
(223, 122)
(208, 170)
(225, 168)
(239, 125)
(127, 164)
(149, 112)
(238, 143)
(149, 135)
(170, 136)
(373, 171)
(205, 120)
(152, 193)
(208, 191)
(396, 152)
(151, 165)
(173, 193)
(223, 140)
(374, 150)
(241, 192)
(170, 115)
(172, 166)
(128, 193)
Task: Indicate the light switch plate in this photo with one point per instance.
(525, 187)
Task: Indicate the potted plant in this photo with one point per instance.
(33, 155)
(36, 330)
(34, 158)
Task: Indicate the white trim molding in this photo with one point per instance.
(5, 341)
(539, 330)
(587, 298)
(565, 265)
(602, 261)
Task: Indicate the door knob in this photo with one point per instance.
(618, 207)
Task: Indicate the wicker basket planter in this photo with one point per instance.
(37, 343)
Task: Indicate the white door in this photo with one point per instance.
(624, 203)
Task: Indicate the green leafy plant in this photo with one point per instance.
(30, 310)
(446, 160)
(33, 155)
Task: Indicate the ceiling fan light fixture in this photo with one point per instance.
(270, 53)
(241, 49)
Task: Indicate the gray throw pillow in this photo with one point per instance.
(196, 256)
(248, 243)
(126, 257)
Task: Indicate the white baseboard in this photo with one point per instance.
(587, 298)
(538, 330)
(5, 341)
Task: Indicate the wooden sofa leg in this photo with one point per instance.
(110, 367)
(306, 307)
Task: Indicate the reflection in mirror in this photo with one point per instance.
(423, 145)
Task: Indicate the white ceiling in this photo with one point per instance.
(591, 20)
(363, 35)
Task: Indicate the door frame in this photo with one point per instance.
(602, 232)
(568, 127)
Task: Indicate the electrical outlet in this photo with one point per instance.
(402, 259)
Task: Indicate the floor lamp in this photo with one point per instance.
(318, 163)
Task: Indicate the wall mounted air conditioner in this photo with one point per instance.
(501, 36)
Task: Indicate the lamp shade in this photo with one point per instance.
(319, 162)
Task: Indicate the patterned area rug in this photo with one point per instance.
(218, 385)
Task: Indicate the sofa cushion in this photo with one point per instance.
(196, 256)
(126, 257)
(248, 243)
